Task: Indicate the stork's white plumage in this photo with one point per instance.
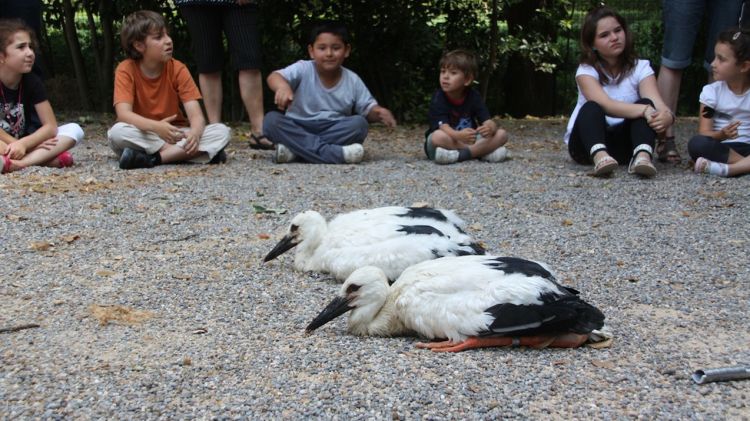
(390, 238)
(472, 301)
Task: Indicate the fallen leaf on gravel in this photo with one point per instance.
(16, 218)
(264, 236)
(603, 364)
(104, 272)
(567, 222)
(469, 195)
(41, 245)
(187, 361)
(71, 238)
(118, 314)
(263, 209)
(420, 205)
(182, 276)
(601, 345)
(686, 214)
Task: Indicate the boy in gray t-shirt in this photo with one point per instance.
(327, 106)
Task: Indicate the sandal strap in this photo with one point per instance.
(596, 148)
(643, 147)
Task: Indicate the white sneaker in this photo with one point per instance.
(445, 156)
(353, 153)
(283, 154)
(498, 155)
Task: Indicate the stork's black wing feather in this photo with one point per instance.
(568, 314)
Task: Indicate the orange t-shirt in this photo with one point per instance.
(156, 98)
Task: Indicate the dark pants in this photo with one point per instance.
(620, 140)
(714, 150)
(316, 141)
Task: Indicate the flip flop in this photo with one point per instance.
(256, 142)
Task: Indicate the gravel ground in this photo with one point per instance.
(665, 260)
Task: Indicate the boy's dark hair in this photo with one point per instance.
(329, 27)
(738, 39)
(8, 27)
(462, 60)
(136, 27)
(627, 60)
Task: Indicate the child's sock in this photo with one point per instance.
(464, 154)
(703, 165)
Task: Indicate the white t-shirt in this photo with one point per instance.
(313, 101)
(728, 107)
(625, 91)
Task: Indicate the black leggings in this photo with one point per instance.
(714, 150)
(620, 140)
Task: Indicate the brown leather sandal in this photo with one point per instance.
(260, 142)
(666, 151)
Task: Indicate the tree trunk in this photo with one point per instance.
(71, 37)
(108, 52)
(492, 65)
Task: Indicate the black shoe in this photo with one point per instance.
(219, 158)
(131, 159)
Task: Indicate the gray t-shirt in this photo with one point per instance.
(313, 101)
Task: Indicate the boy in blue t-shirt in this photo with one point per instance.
(327, 105)
(460, 125)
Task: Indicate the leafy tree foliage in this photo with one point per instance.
(527, 48)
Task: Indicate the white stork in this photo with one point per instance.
(391, 238)
(472, 301)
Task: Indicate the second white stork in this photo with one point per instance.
(390, 238)
(467, 302)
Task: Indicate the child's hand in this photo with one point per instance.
(659, 120)
(284, 96)
(385, 116)
(16, 150)
(191, 144)
(487, 129)
(167, 132)
(730, 131)
(48, 144)
(467, 136)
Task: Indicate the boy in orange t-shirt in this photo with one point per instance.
(149, 87)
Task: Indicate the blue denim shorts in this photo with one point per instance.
(682, 21)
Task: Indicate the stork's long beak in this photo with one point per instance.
(334, 309)
(286, 243)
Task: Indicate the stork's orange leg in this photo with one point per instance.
(568, 340)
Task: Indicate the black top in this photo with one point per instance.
(21, 119)
(470, 113)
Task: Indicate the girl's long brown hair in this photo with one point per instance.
(589, 55)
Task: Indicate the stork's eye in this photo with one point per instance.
(294, 228)
(352, 288)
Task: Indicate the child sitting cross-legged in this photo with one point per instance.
(327, 105)
(29, 134)
(722, 146)
(149, 87)
(460, 125)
